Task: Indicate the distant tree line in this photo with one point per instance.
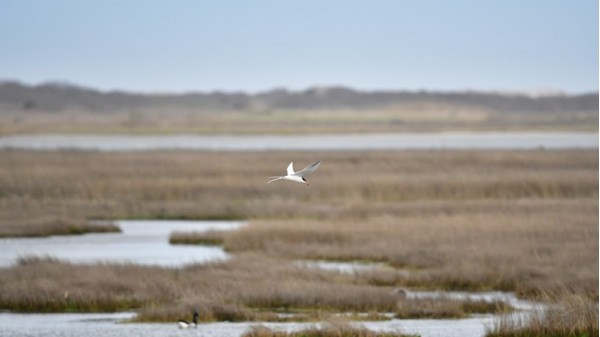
(60, 96)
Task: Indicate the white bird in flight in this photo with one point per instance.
(297, 176)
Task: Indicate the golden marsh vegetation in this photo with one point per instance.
(523, 221)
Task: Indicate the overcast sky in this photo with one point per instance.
(174, 46)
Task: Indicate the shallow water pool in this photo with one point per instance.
(141, 241)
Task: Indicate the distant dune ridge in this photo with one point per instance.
(57, 96)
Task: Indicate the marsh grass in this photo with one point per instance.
(209, 185)
(523, 247)
(246, 288)
(207, 238)
(46, 226)
(523, 221)
(572, 315)
(48, 285)
(329, 330)
(436, 308)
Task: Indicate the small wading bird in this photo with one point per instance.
(183, 324)
(297, 176)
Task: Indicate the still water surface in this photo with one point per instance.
(342, 142)
(141, 241)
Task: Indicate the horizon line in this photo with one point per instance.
(537, 92)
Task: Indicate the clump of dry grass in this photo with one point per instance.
(329, 330)
(572, 315)
(47, 226)
(210, 238)
(436, 308)
(48, 285)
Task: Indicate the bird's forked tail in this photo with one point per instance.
(273, 179)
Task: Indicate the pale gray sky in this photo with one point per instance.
(150, 46)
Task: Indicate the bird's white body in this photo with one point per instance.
(297, 176)
(185, 325)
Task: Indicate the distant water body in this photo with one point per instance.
(333, 142)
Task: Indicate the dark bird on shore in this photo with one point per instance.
(183, 324)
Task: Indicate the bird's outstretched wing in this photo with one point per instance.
(290, 169)
(308, 170)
